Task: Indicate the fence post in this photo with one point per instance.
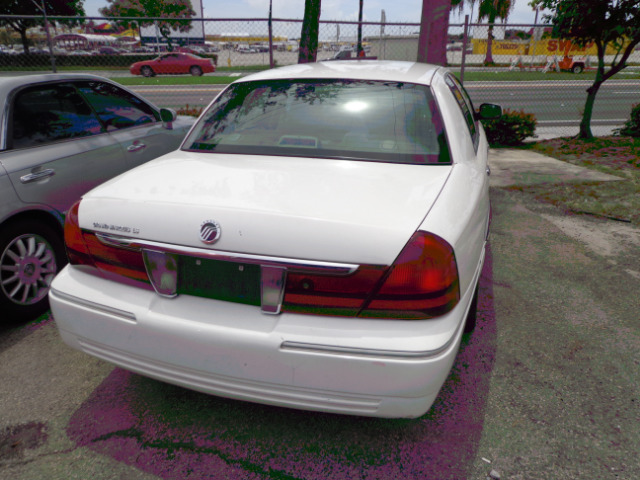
(270, 36)
(465, 40)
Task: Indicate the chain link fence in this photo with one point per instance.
(517, 66)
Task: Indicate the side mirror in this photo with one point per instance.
(489, 111)
(168, 116)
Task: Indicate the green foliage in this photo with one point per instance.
(605, 23)
(19, 14)
(512, 128)
(631, 127)
(175, 14)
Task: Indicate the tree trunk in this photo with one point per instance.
(585, 123)
(434, 26)
(309, 35)
(488, 59)
(25, 40)
(165, 31)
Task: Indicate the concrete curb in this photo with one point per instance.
(524, 167)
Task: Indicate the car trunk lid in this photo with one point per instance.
(286, 207)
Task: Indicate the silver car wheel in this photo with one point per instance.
(27, 267)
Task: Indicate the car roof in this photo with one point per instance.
(382, 70)
(8, 84)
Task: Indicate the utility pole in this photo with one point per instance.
(360, 51)
(270, 35)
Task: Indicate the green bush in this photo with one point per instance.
(190, 111)
(631, 127)
(512, 128)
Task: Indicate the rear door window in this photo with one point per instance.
(50, 113)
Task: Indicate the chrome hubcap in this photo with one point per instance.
(27, 267)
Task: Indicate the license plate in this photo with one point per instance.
(231, 282)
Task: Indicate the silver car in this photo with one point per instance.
(60, 136)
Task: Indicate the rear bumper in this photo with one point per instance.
(365, 367)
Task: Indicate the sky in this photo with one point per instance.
(395, 10)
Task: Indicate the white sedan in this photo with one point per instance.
(316, 243)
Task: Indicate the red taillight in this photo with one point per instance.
(77, 250)
(330, 294)
(86, 251)
(117, 263)
(421, 283)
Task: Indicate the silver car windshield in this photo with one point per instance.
(336, 118)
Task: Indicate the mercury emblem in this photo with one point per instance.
(210, 231)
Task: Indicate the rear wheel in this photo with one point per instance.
(196, 71)
(147, 71)
(31, 254)
(577, 68)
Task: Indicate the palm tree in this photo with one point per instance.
(490, 10)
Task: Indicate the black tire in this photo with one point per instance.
(577, 68)
(196, 71)
(147, 71)
(470, 321)
(31, 254)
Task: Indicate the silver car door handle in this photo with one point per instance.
(488, 170)
(32, 177)
(136, 147)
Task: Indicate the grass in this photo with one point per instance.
(530, 76)
(620, 156)
(175, 80)
(470, 75)
(493, 76)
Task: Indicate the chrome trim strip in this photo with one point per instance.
(124, 315)
(291, 264)
(364, 352)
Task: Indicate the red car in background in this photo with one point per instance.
(173, 64)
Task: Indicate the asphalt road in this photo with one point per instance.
(546, 387)
(554, 103)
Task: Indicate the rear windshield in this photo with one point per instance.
(345, 119)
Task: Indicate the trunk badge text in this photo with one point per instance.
(116, 228)
(210, 231)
